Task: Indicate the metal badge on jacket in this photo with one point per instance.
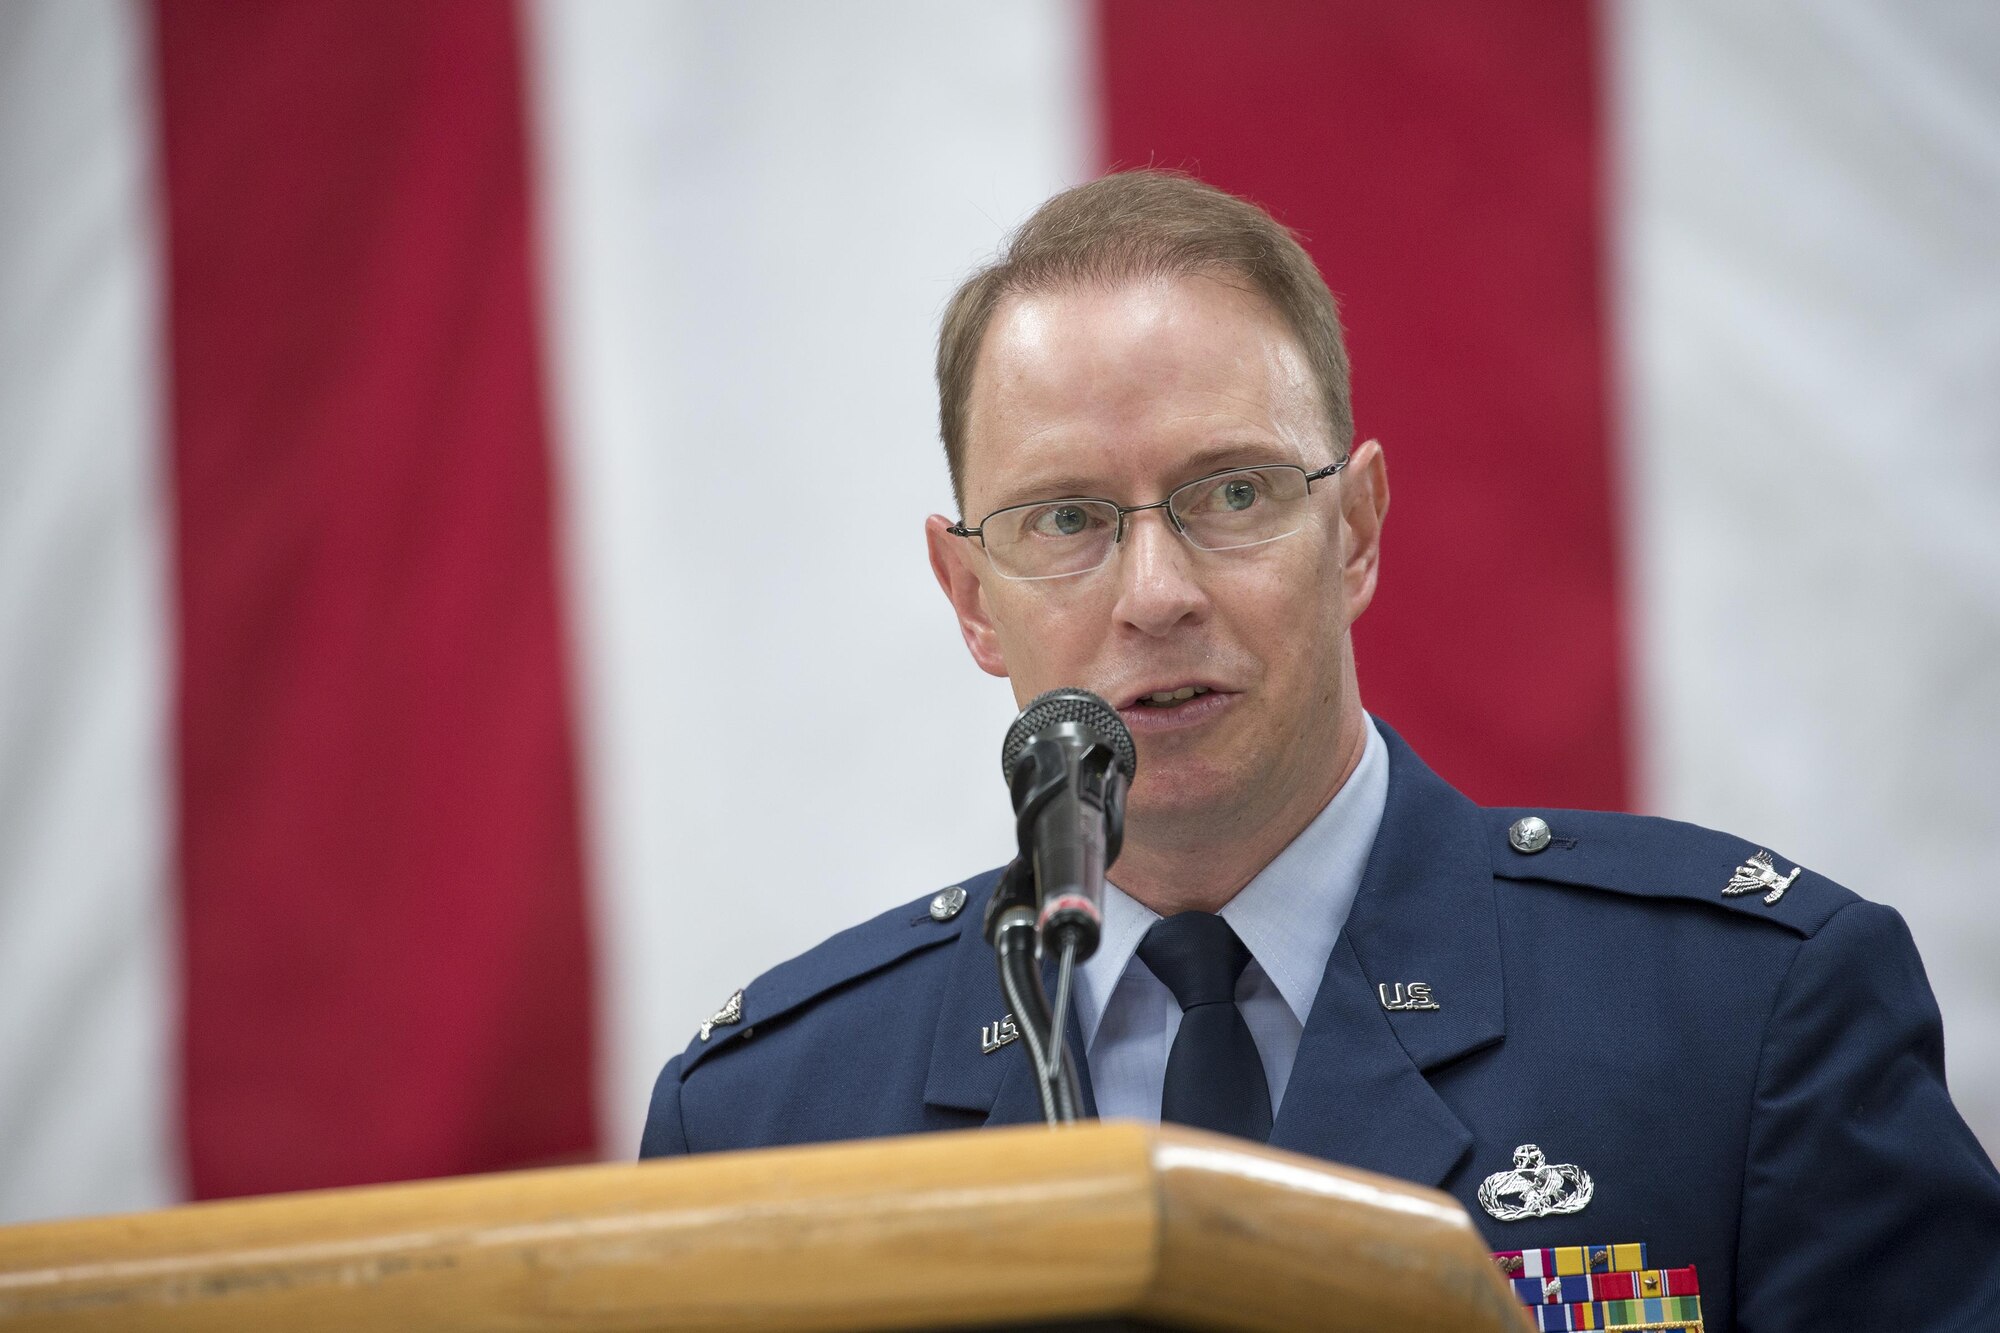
(1534, 1188)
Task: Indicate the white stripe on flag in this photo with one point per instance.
(86, 1019)
(756, 214)
(1812, 324)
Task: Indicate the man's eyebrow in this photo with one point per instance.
(1213, 458)
(1239, 453)
(1053, 488)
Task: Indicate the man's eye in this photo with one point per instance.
(1231, 495)
(1060, 521)
(1237, 493)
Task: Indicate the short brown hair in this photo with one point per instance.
(1143, 224)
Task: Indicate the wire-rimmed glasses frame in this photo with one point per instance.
(1175, 502)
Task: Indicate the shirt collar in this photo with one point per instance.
(1288, 916)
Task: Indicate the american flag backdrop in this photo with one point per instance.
(463, 607)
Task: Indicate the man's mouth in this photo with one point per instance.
(1170, 698)
(1181, 709)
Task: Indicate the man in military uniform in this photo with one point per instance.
(1587, 1027)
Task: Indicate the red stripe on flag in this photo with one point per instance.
(386, 972)
(1443, 163)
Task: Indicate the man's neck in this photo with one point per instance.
(1170, 871)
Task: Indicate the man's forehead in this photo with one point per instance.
(1082, 388)
(1189, 312)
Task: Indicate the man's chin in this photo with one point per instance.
(1167, 804)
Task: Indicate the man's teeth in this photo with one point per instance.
(1176, 696)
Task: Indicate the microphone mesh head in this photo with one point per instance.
(1070, 705)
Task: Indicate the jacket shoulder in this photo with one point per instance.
(1647, 857)
(857, 952)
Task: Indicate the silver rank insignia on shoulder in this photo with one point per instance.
(1534, 1188)
(1397, 997)
(1758, 874)
(730, 1013)
(995, 1035)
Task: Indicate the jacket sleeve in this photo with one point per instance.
(1867, 1202)
(665, 1135)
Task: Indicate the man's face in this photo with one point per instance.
(1125, 394)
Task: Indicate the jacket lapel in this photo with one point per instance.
(1017, 1102)
(1425, 913)
(999, 1085)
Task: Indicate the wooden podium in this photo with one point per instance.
(1096, 1226)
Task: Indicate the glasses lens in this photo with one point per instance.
(1051, 539)
(1245, 507)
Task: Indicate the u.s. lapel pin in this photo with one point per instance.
(1402, 997)
(730, 1013)
(995, 1035)
(1534, 1188)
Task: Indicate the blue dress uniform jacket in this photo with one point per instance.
(1755, 1089)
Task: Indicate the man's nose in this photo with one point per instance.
(1157, 587)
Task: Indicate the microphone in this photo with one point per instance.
(1069, 760)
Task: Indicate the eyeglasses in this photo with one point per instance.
(1224, 511)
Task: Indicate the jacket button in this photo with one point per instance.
(1529, 834)
(948, 904)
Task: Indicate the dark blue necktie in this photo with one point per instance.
(1215, 1079)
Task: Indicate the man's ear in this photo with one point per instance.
(1364, 503)
(951, 561)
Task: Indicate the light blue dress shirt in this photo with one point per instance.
(1288, 917)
